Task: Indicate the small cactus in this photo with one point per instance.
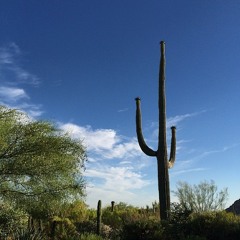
(112, 206)
(147, 209)
(161, 153)
(99, 216)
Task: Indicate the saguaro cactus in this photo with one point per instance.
(112, 206)
(99, 217)
(161, 153)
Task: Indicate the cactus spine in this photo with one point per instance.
(161, 154)
(99, 216)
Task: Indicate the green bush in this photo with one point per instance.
(183, 225)
(27, 235)
(112, 219)
(86, 227)
(175, 228)
(201, 226)
(143, 230)
(214, 225)
(90, 236)
(90, 227)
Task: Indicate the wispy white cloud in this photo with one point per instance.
(215, 151)
(123, 110)
(174, 121)
(17, 98)
(10, 66)
(114, 183)
(105, 143)
(23, 76)
(96, 193)
(12, 75)
(125, 162)
(33, 110)
(7, 53)
(125, 178)
(12, 94)
(187, 170)
(100, 139)
(188, 166)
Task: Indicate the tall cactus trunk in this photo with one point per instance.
(161, 154)
(162, 161)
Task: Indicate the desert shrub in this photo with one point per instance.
(122, 215)
(90, 227)
(62, 228)
(86, 227)
(142, 229)
(214, 225)
(90, 236)
(27, 235)
(184, 225)
(201, 197)
(92, 214)
(179, 214)
(132, 215)
(112, 219)
(175, 228)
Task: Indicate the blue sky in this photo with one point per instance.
(82, 63)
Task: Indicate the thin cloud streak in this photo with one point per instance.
(222, 150)
(186, 166)
(9, 65)
(174, 121)
(11, 94)
(11, 76)
(17, 98)
(180, 172)
(123, 110)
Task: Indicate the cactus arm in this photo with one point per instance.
(173, 148)
(148, 151)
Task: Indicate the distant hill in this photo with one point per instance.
(234, 208)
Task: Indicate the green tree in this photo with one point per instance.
(76, 211)
(39, 164)
(11, 218)
(202, 197)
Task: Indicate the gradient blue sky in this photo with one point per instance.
(82, 63)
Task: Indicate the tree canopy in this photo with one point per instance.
(202, 197)
(38, 162)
